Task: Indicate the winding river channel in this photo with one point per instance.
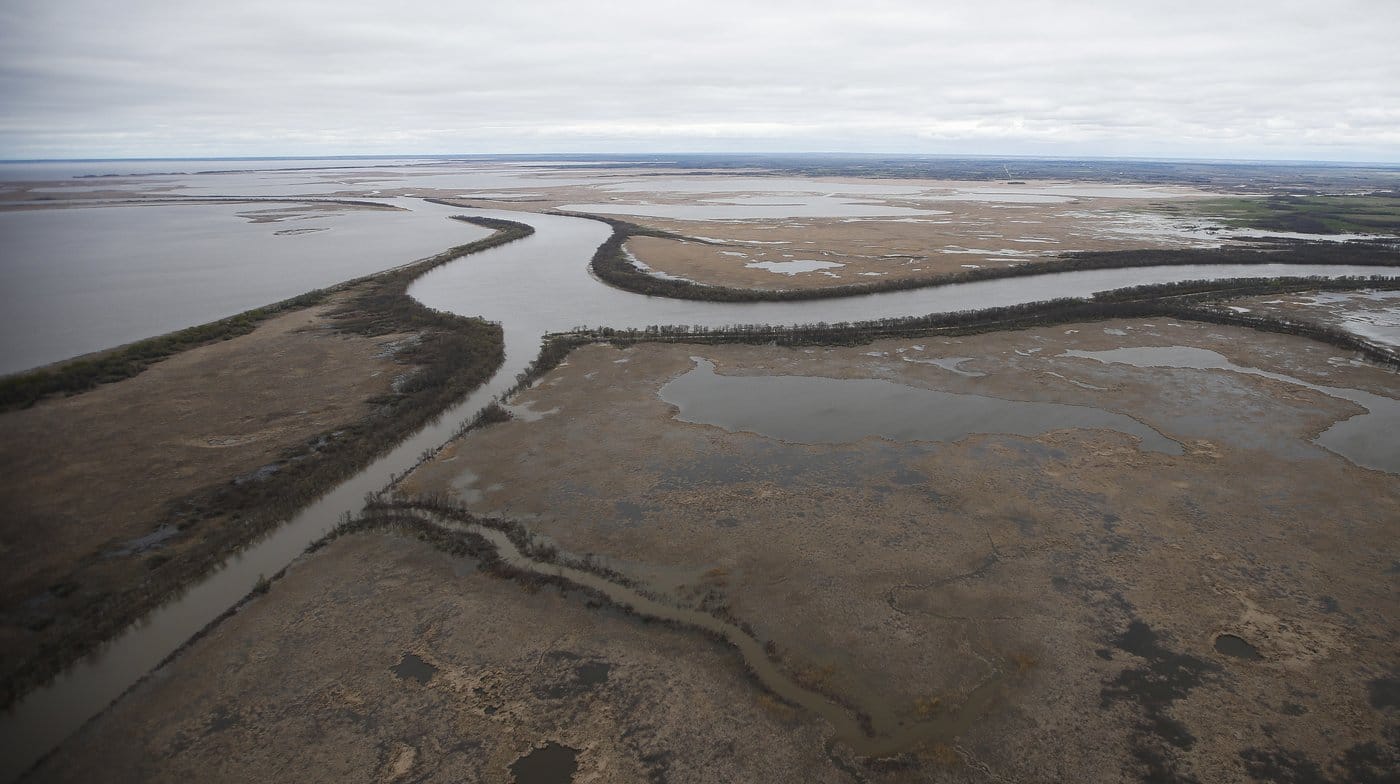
(534, 286)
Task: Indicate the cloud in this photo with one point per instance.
(1240, 79)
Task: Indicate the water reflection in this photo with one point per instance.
(1367, 439)
(84, 279)
(816, 410)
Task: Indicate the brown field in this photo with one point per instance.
(93, 484)
(979, 236)
(952, 233)
(1092, 581)
(380, 659)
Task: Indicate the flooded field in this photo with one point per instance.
(760, 231)
(1365, 439)
(1374, 315)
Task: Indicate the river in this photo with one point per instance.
(534, 286)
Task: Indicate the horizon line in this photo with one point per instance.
(712, 154)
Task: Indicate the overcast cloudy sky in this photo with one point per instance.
(1318, 79)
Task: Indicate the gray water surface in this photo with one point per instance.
(817, 410)
(1368, 440)
(77, 280)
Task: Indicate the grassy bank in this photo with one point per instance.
(104, 367)
(1186, 300)
(450, 356)
(1189, 300)
(612, 265)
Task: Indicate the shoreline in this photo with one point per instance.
(454, 354)
(611, 265)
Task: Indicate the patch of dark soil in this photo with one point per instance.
(580, 677)
(1164, 677)
(1384, 693)
(1238, 647)
(1364, 763)
(414, 668)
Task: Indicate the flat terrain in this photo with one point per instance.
(380, 659)
(1091, 578)
(106, 490)
(1374, 315)
(1128, 550)
(1196, 608)
(956, 234)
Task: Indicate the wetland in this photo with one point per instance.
(668, 556)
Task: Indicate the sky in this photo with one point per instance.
(1255, 79)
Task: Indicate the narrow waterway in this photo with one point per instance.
(883, 733)
(534, 286)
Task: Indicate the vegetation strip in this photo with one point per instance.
(455, 355)
(1190, 300)
(612, 265)
(83, 373)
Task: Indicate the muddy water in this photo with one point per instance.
(1367, 439)
(816, 410)
(534, 286)
(888, 732)
(544, 285)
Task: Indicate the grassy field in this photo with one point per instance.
(1373, 214)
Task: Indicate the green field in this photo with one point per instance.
(1374, 214)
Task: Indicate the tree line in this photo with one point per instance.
(1187, 300)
